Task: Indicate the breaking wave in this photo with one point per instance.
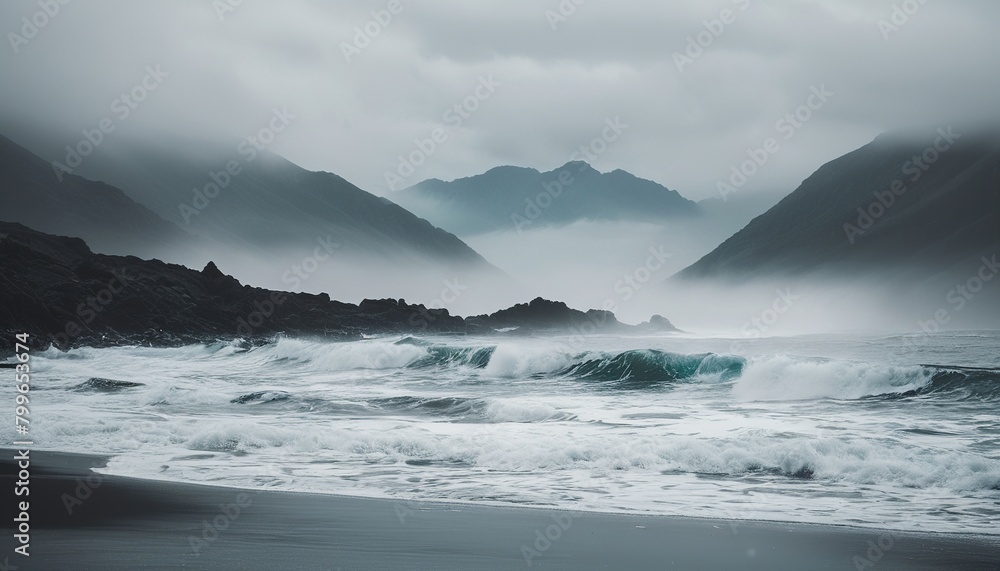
(767, 378)
(761, 378)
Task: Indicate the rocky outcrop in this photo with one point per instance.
(56, 289)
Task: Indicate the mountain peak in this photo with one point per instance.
(212, 271)
(580, 166)
(502, 199)
(509, 168)
(844, 215)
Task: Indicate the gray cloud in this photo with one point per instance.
(606, 60)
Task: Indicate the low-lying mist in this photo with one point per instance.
(821, 303)
(351, 278)
(604, 265)
(626, 268)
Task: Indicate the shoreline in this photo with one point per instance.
(81, 519)
(84, 459)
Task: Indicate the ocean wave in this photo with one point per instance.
(859, 461)
(594, 451)
(758, 378)
(475, 409)
(262, 397)
(454, 407)
(964, 383)
(372, 355)
(515, 360)
(443, 356)
(648, 368)
(784, 378)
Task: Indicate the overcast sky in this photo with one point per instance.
(556, 81)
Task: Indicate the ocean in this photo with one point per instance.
(872, 430)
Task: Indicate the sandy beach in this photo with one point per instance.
(80, 520)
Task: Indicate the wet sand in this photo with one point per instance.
(80, 520)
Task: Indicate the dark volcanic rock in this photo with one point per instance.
(542, 314)
(100, 385)
(61, 293)
(658, 323)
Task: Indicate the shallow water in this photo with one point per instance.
(877, 430)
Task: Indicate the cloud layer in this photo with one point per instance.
(374, 80)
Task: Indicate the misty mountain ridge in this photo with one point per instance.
(100, 213)
(520, 198)
(280, 224)
(261, 201)
(916, 214)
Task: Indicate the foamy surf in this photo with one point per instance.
(602, 424)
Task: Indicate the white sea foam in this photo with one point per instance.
(514, 431)
(520, 411)
(789, 378)
(521, 360)
(369, 354)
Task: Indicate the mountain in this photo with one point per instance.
(258, 200)
(732, 213)
(515, 198)
(62, 293)
(905, 207)
(97, 212)
(285, 227)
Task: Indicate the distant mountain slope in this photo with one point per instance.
(895, 206)
(265, 201)
(515, 198)
(97, 212)
(284, 227)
